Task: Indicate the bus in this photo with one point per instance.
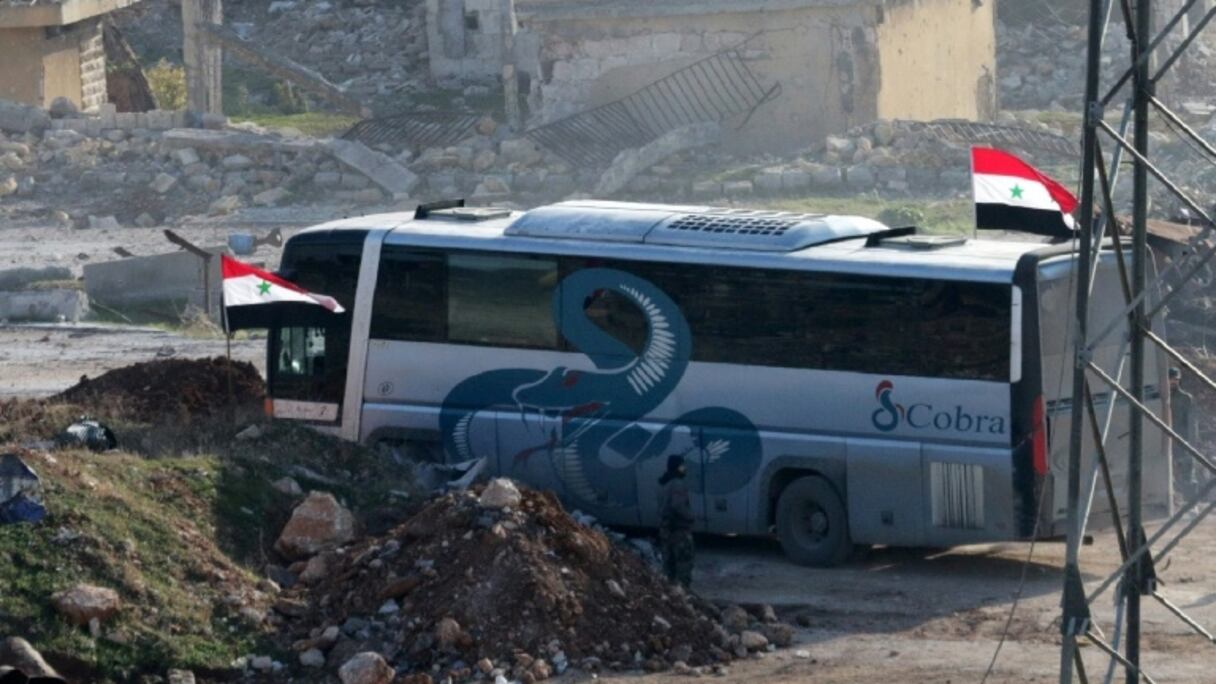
(829, 380)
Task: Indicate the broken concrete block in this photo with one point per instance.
(163, 183)
(19, 278)
(378, 167)
(45, 306)
(317, 524)
(630, 163)
(237, 162)
(225, 205)
(185, 156)
(499, 494)
(8, 185)
(85, 602)
(768, 181)
(271, 197)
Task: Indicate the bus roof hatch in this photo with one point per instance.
(685, 226)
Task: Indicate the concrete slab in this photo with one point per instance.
(44, 305)
(175, 278)
(392, 177)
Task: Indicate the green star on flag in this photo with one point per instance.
(1016, 191)
(264, 288)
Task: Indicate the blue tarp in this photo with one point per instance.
(21, 508)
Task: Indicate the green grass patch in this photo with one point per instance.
(315, 124)
(180, 522)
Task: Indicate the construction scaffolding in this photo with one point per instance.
(1153, 55)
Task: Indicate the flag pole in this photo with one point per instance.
(975, 206)
(227, 354)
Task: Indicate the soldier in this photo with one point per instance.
(675, 522)
(1185, 423)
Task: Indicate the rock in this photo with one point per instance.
(661, 623)
(752, 641)
(85, 602)
(707, 188)
(366, 668)
(313, 657)
(447, 634)
(271, 197)
(499, 494)
(225, 205)
(181, 677)
(63, 108)
(114, 135)
(8, 186)
(485, 666)
(236, 162)
(492, 186)
(487, 125)
(58, 140)
(615, 589)
(840, 145)
(386, 173)
(540, 670)
(327, 179)
(767, 614)
(281, 6)
(145, 220)
(163, 183)
(18, 653)
(104, 223)
(213, 121)
(317, 524)
(484, 160)
(261, 663)
(735, 619)
(632, 162)
(780, 635)
(16, 117)
(884, 133)
(11, 161)
(520, 151)
(186, 156)
(826, 177)
(318, 568)
(288, 486)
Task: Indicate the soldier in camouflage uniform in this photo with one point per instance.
(1185, 423)
(675, 522)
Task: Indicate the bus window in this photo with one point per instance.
(502, 300)
(411, 297)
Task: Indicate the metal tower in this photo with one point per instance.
(1153, 55)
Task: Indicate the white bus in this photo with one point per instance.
(829, 380)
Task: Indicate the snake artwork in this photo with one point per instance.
(597, 436)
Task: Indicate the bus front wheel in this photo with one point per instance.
(812, 523)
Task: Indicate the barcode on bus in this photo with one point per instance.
(957, 494)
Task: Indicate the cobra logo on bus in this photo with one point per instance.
(926, 416)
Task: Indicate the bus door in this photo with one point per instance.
(309, 348)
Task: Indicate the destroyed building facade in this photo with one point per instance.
(52, 49)
(837, 63)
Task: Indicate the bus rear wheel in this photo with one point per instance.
(812, 523)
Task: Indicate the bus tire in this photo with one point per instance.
(812, 523)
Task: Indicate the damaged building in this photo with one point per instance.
(821, 66)
(54, 48)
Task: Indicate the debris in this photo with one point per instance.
(319, 523)
(500, 493)
(313, 657)
(287, 486)
(85, 602)
(753, 641)
(250, 433)
(181, 677)
(18, 654)
(169, 389)
(89, 434)
(366, 668)
(479, 587)
(20, 492)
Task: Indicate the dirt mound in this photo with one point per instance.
(528, 588)
(167, 389)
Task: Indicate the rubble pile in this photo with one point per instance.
(497, 581)
(170, 388)
(1041, 65)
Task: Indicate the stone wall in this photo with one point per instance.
(92, 64)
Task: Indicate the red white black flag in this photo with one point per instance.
(252, 296)
(1013, 195)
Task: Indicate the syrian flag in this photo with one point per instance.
(251, 296)
(1013, 195)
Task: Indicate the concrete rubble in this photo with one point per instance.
(318, 524)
